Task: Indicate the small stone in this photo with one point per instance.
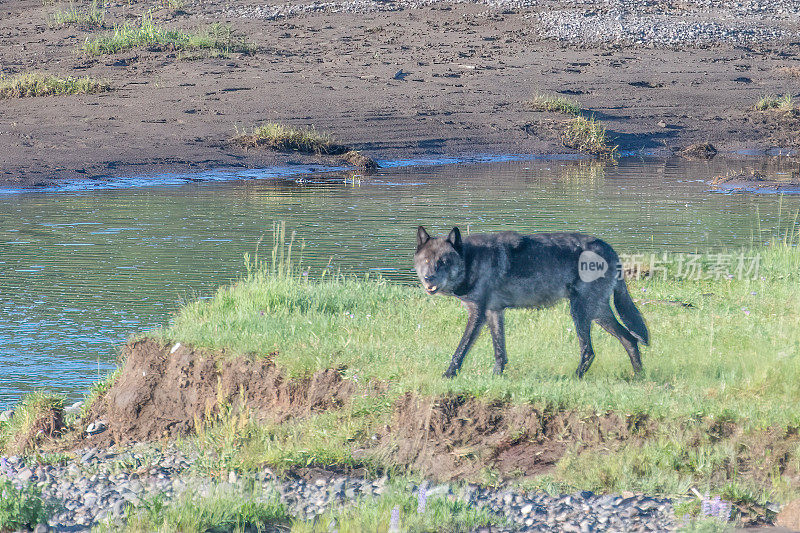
(6, 415)
(25, 474)
(526, 509)
(74, 409)
(98, 426)
(661, 124)
(40, 528)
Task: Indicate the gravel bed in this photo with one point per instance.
(596, 22)
(97, 486)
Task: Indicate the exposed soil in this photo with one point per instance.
(163, 391)
(457, 437)
(415, 78)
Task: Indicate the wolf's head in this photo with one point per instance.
(439, 261)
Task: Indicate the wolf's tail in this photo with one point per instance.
(628, 312)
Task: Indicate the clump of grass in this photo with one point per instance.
(438, 513)
(772, 101)
(36, 84)
(20, 508)
(38, 415)
(555, 104)
(220, 510)
(589, 136)
(216, 40)
(282, 137)
(92, 15)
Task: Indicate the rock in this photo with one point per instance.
(789, 517)
(25, 475)
(74, 409)
(98, 426)
(6, 415)
(40, 528)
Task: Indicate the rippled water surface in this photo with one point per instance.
(81, 271)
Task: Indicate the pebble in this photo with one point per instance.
(99, 485)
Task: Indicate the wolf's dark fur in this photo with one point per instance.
(492, 272)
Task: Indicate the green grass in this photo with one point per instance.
(731, 357)
(37, 84)
(219, 510)
(216, 40)
(374, 514)
(242, 510)
(17, 434)
(772, 101)
(588, 135)
(90, 15)
(288, 138)
(555, 104)
(20, 508)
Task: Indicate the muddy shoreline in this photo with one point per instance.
(397, 81)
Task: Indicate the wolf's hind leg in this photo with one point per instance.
(609, 323)
(583, 327)
(475, 321)
(496, 327)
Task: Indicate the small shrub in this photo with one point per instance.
(216, 40)
(589, 136)
(20, 508)
(772, 101)
(35, 84)
(89, 16)
(281, 137)
(555, 104)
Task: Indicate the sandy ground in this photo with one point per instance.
(401, 81)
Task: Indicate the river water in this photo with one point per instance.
(80, 271)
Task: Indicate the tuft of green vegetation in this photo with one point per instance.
(772, 101)
(589, 136)
(282, 137)
(36, 84)
(216, 40)
(38, 414)
(555, 104)
(20, 508)
(98, 390)
(219, 510)
(375, 514)
(91, 15)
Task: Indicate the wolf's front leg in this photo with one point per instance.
(475, 320)
(495, 321)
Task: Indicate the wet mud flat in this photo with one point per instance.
(397, 80)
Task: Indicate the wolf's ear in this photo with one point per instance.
(422, 237)
(454, 238)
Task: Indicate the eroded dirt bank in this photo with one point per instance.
(397, 79)
(164, 389)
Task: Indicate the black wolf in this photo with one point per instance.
(492, 272)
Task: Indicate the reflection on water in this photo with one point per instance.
(82, 271)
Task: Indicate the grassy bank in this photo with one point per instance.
(721, 370)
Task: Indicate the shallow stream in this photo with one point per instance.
(80, 271)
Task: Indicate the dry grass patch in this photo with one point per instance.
(589, 136)
(307, 140)
(554, 103)
(91, 15)
(36, 84)
(773, 101)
